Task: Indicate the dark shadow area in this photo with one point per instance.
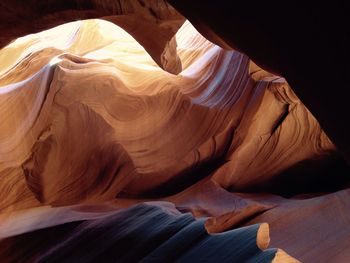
(324, 175)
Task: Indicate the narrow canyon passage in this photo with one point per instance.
(114, 149)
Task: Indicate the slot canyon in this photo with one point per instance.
(174, 131)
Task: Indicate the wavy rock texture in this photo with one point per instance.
(157, 16)
(91, 118)
(305, 42)
(143, 233)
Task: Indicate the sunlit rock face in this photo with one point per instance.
(307, 43)
(92, 126)
(157, 17)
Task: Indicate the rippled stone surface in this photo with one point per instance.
(94, 125)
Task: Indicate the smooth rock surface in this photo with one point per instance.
(93, 126)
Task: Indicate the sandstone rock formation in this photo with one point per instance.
(105, 154)
(306, 42)
(157, 17)
(153, 232)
